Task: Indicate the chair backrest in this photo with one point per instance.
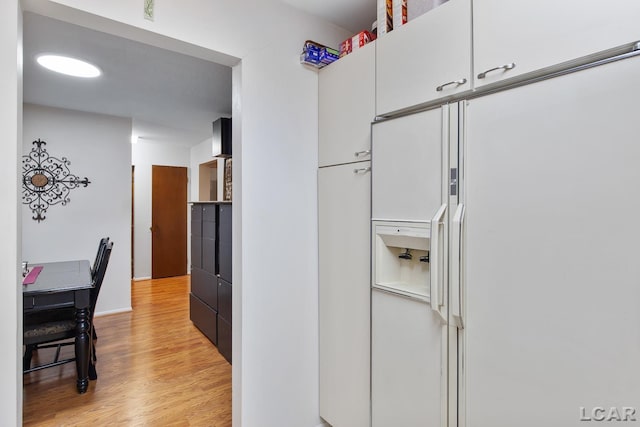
(99, 275)
(101, 246)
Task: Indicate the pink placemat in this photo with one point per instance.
(32, 276)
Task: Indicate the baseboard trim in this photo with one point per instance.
(116, 311)
(138, 279)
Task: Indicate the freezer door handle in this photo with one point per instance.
(436, 293)
(456, 265)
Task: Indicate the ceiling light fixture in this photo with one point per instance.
(69, 66)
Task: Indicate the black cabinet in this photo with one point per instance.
(224, 280)
(211, 264)
(222, 136)
(224, 238)
(203, 300)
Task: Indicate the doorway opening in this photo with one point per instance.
(158, 134)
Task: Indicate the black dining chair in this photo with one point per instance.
(60, 331)
(101, 247)
(94, 269)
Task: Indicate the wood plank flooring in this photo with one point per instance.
(154, 369)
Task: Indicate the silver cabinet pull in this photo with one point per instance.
(455, 82)
(362, 153)
(362, 170)
(505, 67)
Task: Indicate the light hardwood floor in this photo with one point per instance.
(154, 369)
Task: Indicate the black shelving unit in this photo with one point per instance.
(211, 278)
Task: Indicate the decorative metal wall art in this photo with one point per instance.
(46, 180)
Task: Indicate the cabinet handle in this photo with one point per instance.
(362, 170)
(505, 67)
(362, 153)
(455, 82)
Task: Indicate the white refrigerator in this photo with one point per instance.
(527, 202)
(550, 247)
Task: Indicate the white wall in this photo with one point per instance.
(99, 148)
(238, 353)
(276, 228)
(279, 245)
(10, 221)
(144, 155)
(201, 153)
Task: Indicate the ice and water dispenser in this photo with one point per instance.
(401, 257)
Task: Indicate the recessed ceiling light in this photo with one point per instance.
(69, 66)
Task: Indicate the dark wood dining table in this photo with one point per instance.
(65, 284)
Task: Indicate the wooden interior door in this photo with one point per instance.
(168, 221)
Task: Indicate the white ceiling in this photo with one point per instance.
(352, 15)
(170, 97)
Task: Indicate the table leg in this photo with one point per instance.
(82, 349)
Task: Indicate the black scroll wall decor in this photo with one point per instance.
(46, 180)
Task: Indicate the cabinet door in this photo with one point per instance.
(224, 319)
(429, 53)
(225, 339)
(205, 287)
(209, 217)
(407, 166)
(537, 34)
(344, 294)
(224, 242)
(204, 317)
(408, 363)
(196, 236)
(346, 108)
(225, 299)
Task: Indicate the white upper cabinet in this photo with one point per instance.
(514, 37)
(346, 108)
(426, 59)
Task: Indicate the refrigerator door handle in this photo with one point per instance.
(456, 265)
(434, 262)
